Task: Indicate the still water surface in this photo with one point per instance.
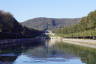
(58, 54)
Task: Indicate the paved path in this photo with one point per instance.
(81, 42)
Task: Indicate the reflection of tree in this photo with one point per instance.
(87, 55)
(88, 58)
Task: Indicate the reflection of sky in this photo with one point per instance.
(23, 59)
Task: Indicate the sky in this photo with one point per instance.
(23, 10)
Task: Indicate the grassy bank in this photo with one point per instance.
(86, 33)
(86, 28)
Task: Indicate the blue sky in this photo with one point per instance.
(27, 9)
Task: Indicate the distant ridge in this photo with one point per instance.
(41, 23)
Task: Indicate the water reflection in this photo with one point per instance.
(7, 58)
(40, 55)
(24, 59)
(58, 54)
(87, 55)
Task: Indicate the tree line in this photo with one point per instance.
(85, 28)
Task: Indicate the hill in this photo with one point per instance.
(86, 28)
(42, 23)
(10, 28)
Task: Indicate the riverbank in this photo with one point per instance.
(81, 42)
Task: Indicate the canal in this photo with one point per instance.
(60, 53)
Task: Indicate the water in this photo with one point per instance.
(40, 55)
(58, 54)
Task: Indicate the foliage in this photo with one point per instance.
(11, 28)
(86, 27)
